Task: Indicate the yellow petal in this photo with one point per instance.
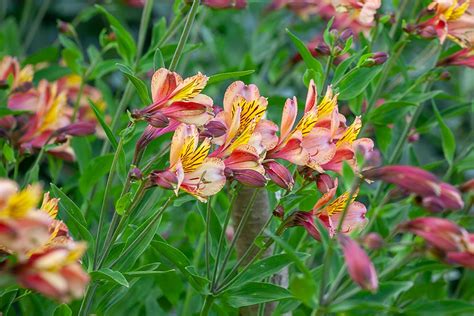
(250, 111)
(339, 204)
(306, 124)
(351, 133)
(327, 104)
(19, 204)
(192, 157)
(189, 88)
(50, 205)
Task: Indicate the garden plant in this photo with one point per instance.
(236, 157)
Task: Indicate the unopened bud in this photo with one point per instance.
(158, 120)
(214, 129)
(66, 28)
(325, 183)
(345, 35)
(279, 212)
(323, 49)
(165, 179)
(135, 174)
(427, 31)
(77, 129)
(445, 76)
(373, 241)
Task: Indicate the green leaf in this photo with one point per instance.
(194, 225)
(255, 293)
(183, 264)
(8, 153)
(51, 73)
(303, 288)
(348, 175)
(7, 111)
(228, 75)
(76, 221)
(62, 310)
(158, 60)
(123, 203)
(267, 267)
(441, 307)
(139, 85)
(389, 112)
(100, 118)
(95, 170)
(107, 274)
(355, 82)
(309, 60)
(448, 141)
(125, 42)
(47, 54)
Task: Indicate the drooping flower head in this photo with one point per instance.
(190, 168)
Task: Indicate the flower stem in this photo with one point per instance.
(222, 236)
(207, 248)
(207, 305)
(103, 210)
(36, 24)
(184, 36)
(240, 227)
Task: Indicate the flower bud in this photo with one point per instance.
(66, 28)
(304, 219)
(467, 186)
(323, 49)
(279, 174)
(77, 129)
(427, 31)
(380, 58)
(157, 120)
(135, 174)
(166, 179)
(324, 183)
(279, 212)
(359, 266)
(225, 4)
(214, 129)
(373, 241)
(247, 177)
(346, 34)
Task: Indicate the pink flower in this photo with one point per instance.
(359, 266)
(55, 272)
(177, 99)
(463, 57)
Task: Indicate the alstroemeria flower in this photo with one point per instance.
(241, 144)
(22, 227)
(22, 96)
(196, 173)
(330, 214)
(362, 10)
(445, 239)
(55, 272)
(225, 4)
(450, 20)
(178, 99)
(463, 57)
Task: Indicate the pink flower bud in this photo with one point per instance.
(306, 220)
(380, 58)
(373, 241)
(467, 186)
(279, 174)
(323, 49)
(225, 4)
(279, 212)
(157, 119)
(77, 129)
(359, 266)
(214, 129)
(166, 179)
(135, 174)
(247, 177)
(325, 183)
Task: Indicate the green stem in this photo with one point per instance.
(184, 36)
(222, 236)
(327, 71)
(207, 305)
(173, 27)
(103, 210)
(145, 20)
(189, 291)
(36, 24)
(207, 248)
(240, 227)
(78, 99)
(86, 303)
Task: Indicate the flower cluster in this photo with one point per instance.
(49, 109)
(247, 147)
(36, 249)
(445, 239)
